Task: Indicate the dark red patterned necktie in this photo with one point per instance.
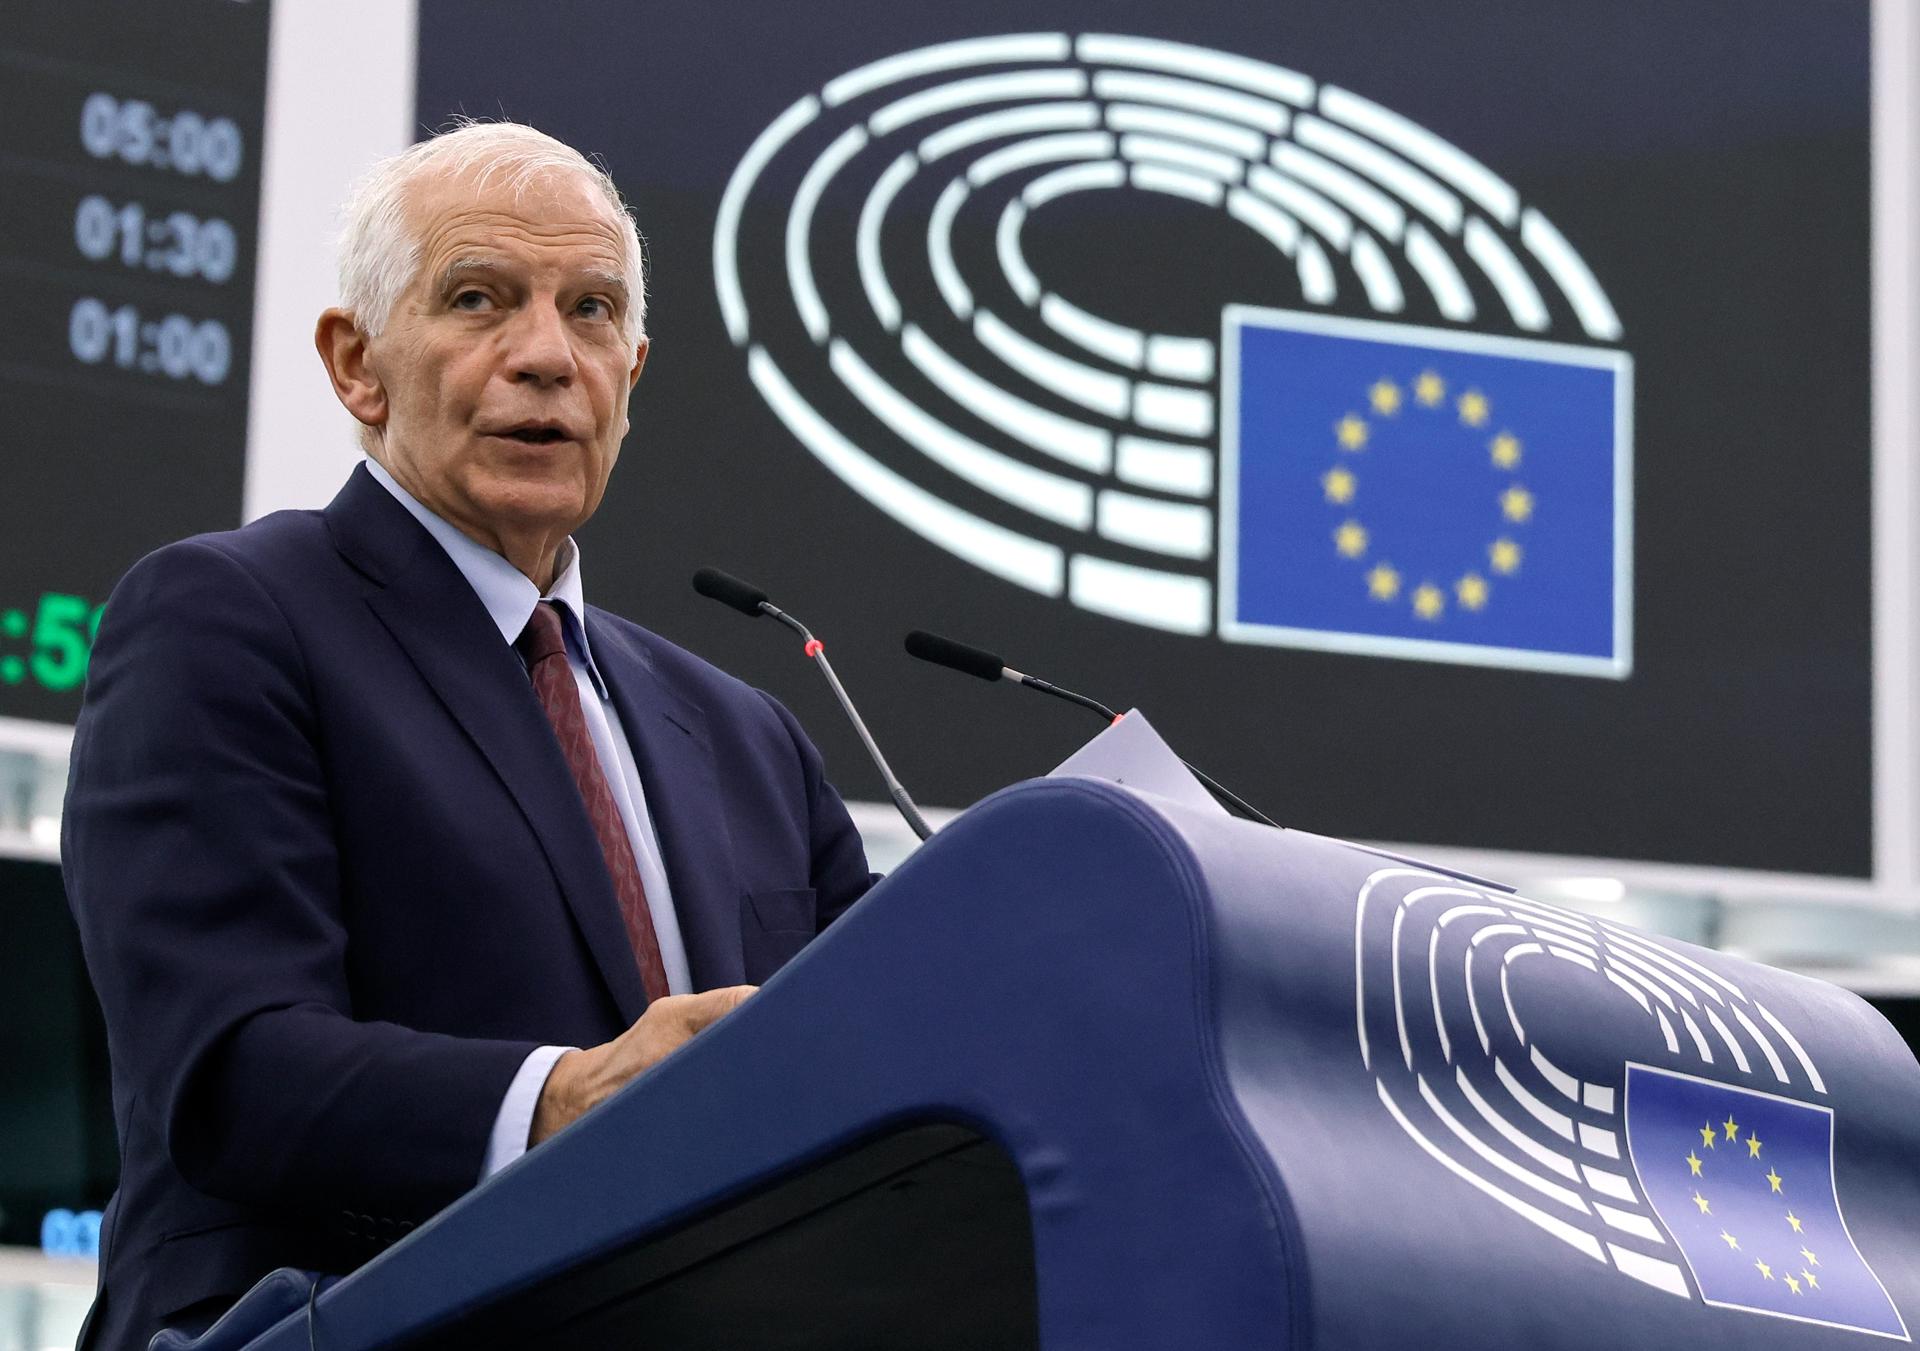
(544, 648)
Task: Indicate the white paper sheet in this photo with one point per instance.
(1130, 752)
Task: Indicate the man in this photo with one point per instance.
(371, 817)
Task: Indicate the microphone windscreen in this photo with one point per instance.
(729, 590)
(940, 651)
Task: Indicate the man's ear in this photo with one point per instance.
(343, 349)
(640, 351)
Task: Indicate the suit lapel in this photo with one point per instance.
(670, 746)
(443, 628)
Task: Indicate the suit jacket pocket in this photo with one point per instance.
(774, 926)
(226, 1259)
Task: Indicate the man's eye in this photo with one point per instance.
(594, 307)
(469, 300)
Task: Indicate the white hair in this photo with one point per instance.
(380, 251)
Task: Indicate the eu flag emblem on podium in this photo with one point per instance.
(1404, 491)
(1743, 1181)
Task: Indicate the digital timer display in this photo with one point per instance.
(129, 190)
(48, 641)
(179, 243)
(187, 143)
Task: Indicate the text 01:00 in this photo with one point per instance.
(175, 346)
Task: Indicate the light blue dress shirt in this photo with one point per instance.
(509, 598)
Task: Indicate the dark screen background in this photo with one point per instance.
(102, 461)
(56, 1096)
(1708, 161)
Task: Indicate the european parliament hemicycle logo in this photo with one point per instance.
(1456, 491)
(1708, 1178)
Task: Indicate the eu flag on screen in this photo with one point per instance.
(1743, 1181)
(1405, 491)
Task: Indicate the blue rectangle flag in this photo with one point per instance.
(1744, 1183)
(1417, 492)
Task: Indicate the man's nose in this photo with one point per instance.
(541, 353)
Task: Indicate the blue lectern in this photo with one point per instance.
(1094, 1071)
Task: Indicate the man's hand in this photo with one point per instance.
(581, 1080)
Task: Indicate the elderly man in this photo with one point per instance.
(390, 855)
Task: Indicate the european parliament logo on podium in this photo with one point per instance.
(1416, 492)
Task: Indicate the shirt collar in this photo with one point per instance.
(505, 591)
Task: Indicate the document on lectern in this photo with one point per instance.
(1132, 754)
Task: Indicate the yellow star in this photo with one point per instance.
(1517, 503)
(1350, 539)
(1794, 1220)
(1429, 601)
(1772, 1177)
(1813, 1281)
(1701, 1201)
(1812, 1261)
(1505, 555)
(1693, 1162)
(1429, 389)
(1731, 1127)
(1506, 450)
(1383, 583)
(1763, 1268)
(1474, 408)
(1753, 1146)
(1793, 1284)
(1385, 397)
(1732, 1242)
(1352, 431)
(1340, 485)
(1472, 591)
(1707, 1137)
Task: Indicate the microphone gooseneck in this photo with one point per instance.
(975, 661)
(751, 601)
(1091, 705)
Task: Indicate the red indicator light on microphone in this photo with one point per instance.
(815, 647)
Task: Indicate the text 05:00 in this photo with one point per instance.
(132, 131)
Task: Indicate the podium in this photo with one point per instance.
(1091, 1070)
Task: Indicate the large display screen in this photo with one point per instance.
(56, 1108)
(129, 192)
(1450, 423)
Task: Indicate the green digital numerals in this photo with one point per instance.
(50, 643)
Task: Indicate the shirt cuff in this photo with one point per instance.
(515, 1118)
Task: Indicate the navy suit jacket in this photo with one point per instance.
(334, 883)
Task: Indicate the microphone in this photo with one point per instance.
(985, 665)
(751, 601)
(717, 585)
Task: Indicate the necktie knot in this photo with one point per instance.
(543, 636)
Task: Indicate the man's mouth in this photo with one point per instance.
(535, 433)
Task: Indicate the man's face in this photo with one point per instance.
(503, 366)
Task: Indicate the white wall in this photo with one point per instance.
(340, 92)
(1896, 439)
